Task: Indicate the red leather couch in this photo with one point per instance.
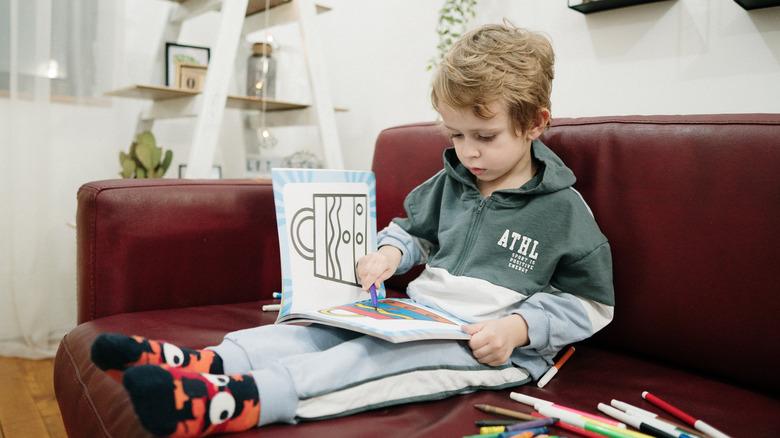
(691, 205)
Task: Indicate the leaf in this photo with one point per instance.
(128, 167)
(454, 16)
(144, 153)
(156, 156)
(166, 161)
(146, 138)
(140, 173)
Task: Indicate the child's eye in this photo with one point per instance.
(454, 136)
(485, 138)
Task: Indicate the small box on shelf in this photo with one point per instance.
(190, 76)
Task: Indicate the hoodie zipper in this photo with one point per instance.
(470, 236)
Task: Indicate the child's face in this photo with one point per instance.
(490, 149)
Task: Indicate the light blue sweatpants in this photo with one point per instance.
(318, 372)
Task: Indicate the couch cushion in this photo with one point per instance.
(95, 405)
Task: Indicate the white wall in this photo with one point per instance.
(670, 57)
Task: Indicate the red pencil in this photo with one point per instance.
(685, 417)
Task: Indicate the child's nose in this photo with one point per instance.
(472, 149)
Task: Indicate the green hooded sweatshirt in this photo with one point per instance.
(534, 250)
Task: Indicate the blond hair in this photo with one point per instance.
(497, 61)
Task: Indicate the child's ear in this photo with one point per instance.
(540, 124)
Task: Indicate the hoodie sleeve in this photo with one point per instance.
(579, 303)
(416, 234)
(414, 250)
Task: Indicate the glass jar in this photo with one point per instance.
(261, 72)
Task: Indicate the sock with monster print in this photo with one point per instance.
(179, 403)
(117, 352)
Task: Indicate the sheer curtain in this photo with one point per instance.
(56, 56)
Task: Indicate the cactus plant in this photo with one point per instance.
(145, 159)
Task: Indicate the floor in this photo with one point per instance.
(27, 404)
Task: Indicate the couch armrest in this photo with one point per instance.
(162, 244)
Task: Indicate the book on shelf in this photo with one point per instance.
(326, 220)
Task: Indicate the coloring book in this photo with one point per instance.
(326, 221)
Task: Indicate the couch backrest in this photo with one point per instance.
(162, 243)
(691, 206)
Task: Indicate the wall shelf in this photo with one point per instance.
(256, 103)
(197, 7)
(588, 6)
(159, 93)
(256, 6)
(757, 4)
(153, 92)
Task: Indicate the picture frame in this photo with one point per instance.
(176, 53)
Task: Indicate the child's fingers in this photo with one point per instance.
(384, 276)
(367, 280)
(489, 355)
(478, 341)
(365, 269)
(372, 274)
(471, 328)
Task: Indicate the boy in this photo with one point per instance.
(509, 247)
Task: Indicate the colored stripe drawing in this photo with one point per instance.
(387, 309)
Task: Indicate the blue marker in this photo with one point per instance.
(372, 290)
(277, 295)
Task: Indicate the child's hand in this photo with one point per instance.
(378, 266)
(492, 341)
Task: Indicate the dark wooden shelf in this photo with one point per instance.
(602, 5)
(757, 4)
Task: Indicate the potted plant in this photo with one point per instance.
(145, 159)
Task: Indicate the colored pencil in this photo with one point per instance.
(484, 430)
(531, 424)
(554, 369)
(271, 307)
(533, 401)
(487, 432)
(505, 412)
(491, 422)
(372, 291)
(641, 423)
(685, 417)
(529, 433)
